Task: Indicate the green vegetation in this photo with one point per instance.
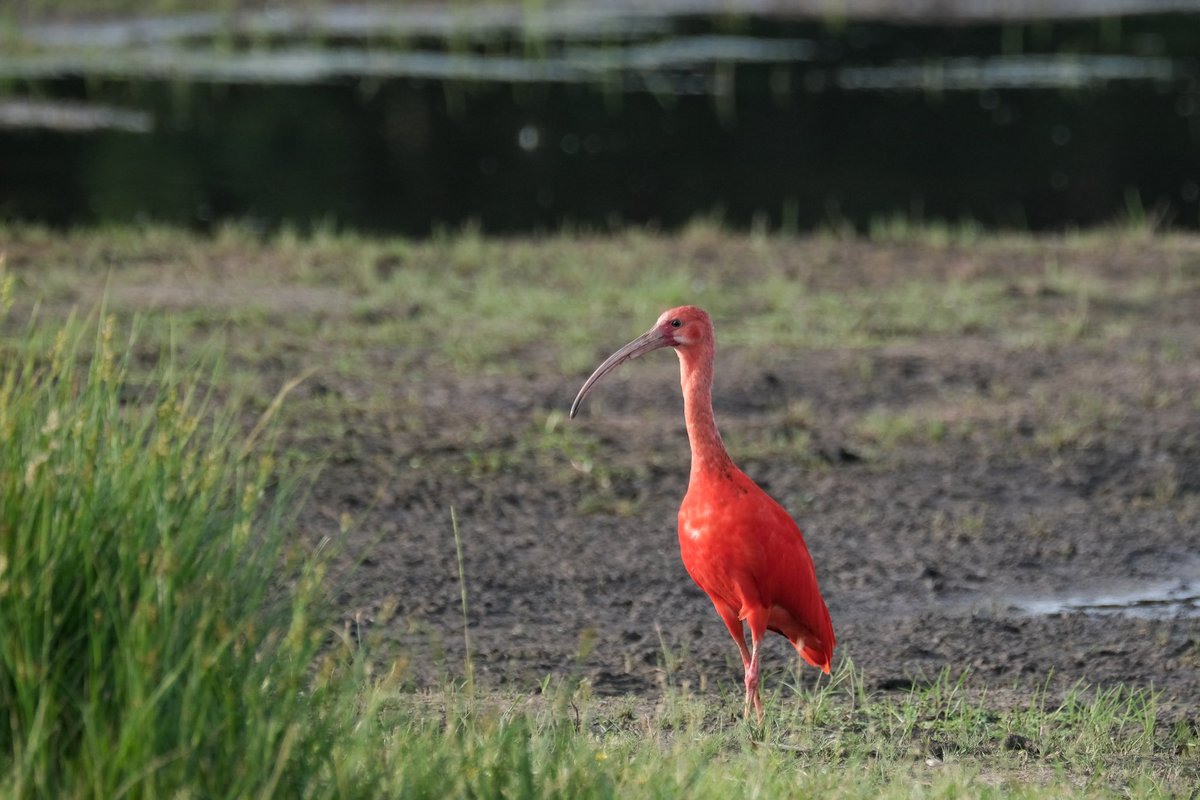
(144, 647)
(890, 430)
(376, 317)
(467, 303)
(369, 310)
(162, 634)
(835, 740)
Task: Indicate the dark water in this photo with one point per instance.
(790, 124)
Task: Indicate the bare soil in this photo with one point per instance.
(1060, 471)
(1000, 474)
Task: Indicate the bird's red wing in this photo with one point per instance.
(743, 548)
(789, 585)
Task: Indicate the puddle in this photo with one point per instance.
(1157, 601)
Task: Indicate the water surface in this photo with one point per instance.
(603, 120)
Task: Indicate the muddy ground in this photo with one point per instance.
(952, 486)
(1058, 472)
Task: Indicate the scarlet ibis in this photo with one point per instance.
(739, 545)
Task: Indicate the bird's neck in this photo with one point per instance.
(709, 456)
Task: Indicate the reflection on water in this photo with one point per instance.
(693, 55)
(1015, 72)
(1155, 601)
(312, 64)
(631, 18)
(80, 117)
(417, 119)
(480, 21)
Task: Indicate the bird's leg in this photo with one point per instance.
(757, 620)
(752, 685)
(730, 618)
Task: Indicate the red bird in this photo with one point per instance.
(738, 544)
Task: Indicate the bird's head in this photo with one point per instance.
(685, 328)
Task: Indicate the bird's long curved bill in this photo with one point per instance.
(650, 340)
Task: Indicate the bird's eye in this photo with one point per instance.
(675, 323)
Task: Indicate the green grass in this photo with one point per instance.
(889, 430)
(836, 740)
(156, 636)
(144, 653)
(379, 318)
(465, 303)
(162, 633)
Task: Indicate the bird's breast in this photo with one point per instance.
(717, 542)
(732, 536)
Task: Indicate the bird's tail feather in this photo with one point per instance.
(816, 653)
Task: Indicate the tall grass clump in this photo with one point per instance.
(157, 638)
